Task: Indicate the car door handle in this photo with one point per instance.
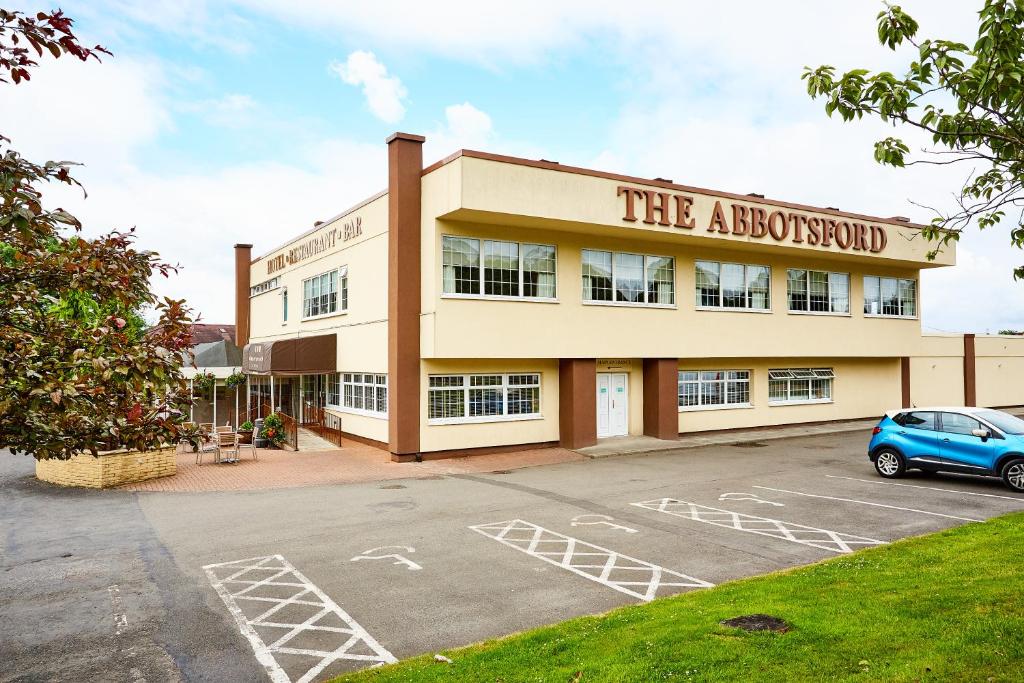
(946, 440)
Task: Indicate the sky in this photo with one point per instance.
(247, 120)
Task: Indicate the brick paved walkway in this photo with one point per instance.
(355, 462)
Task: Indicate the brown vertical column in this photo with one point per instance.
(661, 397)
(405, 165)
(905, 380)
(577, 402)
(243, 261)
(970, 383)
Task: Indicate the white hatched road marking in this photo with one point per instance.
(787, 531)
(588, 560)
(864, 502)
(225, 575)
(930, 488)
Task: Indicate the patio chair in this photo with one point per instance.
(252, 444)
(208, 446)
(227, 444)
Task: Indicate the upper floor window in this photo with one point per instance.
(265, 286)
(628, 278)
(733, 285)
(815, 291)
(284, 305)
(325, 294)
(494, 268)
(889, 296)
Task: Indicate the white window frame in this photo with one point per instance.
(347, 379)
(504, 386)
(482, 281)
(807, 293)
(917, 296)
(788, 375)
(284, 305)
(341, 298)
(726, 405)
(265, 286)
(746, 285)
(614, 275)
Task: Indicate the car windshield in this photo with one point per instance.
(1004, 421)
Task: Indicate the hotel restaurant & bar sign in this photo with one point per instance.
(316, 245)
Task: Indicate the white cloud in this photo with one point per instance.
(94, 113)
(384, 93)
(229, 111)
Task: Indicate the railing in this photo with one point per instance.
(330, 428)
(291, 431)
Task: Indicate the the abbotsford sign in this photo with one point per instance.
(315, 245)
(739, 218)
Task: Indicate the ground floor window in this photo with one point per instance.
(483, 397)
(363, 392)
(713, 388)
(800, 385)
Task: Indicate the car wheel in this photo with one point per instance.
(1013, 474)
(890, 464)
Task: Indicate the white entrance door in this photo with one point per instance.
(612, 404)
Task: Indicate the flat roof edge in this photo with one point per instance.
(553, 166)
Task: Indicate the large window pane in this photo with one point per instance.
(872, 296)
(819, 301)
(796, 289)
(890, 296)
(734, 286)
(460, 270)
(660, 280)
(707, 283)
(908, 297)
(597, 275)
(538, 271)
(839, 292)
(629, 277)
(758, 287)
(501, 268)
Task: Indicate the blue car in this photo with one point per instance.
(965, 440)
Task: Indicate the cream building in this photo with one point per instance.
(493, 302)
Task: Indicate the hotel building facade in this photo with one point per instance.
(488, 302)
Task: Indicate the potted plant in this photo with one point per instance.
(192, 434)
(245, 432)
(234, 380)
(203, 384)
(273, 430)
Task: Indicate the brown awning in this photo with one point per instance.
(302, 356)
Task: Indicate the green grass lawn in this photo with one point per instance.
(948, 606)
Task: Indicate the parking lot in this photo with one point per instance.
(308, 583)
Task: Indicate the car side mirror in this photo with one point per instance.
(983, 434)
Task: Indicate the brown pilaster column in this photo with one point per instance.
(405, 164)
(905, 380)
(661, 397)
(243, 261)
(970, 383)
(577, 402)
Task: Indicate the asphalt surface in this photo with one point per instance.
(119, 586)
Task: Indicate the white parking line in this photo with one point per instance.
(590, 561)
(273, 572)
(787, 531)
(864, 502)
(930, 488)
